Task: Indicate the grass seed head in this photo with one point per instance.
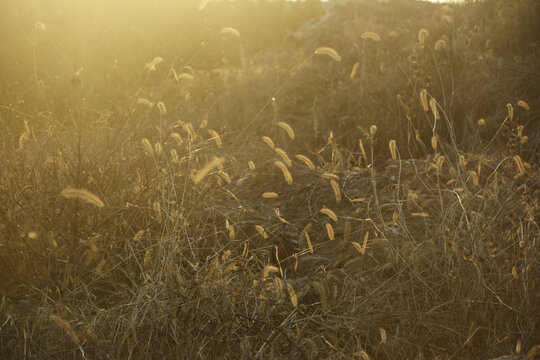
(269, 269)
(354, 69)
(268, 142)
(519, 164)
(177, 138)
(230, 31)
(207, 168)
(434, 142)
(510, 111)
(308, 241)
(422, 36)
(328, 51)
(285, 171)
(393, 149)
(261, 231)
(82, 194)
(370, 35)
(284, 156)
(216, 138)
(162, 108)
(523, 105)
(152, 65)
(424, 100)
(330, 231)
(337, 192)
(292, 295)
(270, 195)
(288, 129)
(434, 110)
(148, 149)
(158, 149)
(306, 161)
(440, 44)
(330, 213)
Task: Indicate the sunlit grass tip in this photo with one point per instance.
(207, 168)
(328, 51)
(288, 129)
(371, 35)
(82, 194)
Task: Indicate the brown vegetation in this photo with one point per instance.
(264, 180)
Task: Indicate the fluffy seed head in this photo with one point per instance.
(157, 211)
(434, 110)
(268, 269)
(337, 192)
(146, 102)
(205, 170)
(510, 111)
(306, 161)
(440, 44)
(270, 195)
(330, 213)
(523, 104)
(354, 70)
(261, 231)
(328, 51)
(230, 31)
(329, 176)
(162, 109)
(308, 241)
(330, 231)
(370, 35)
(287, 128)
(268, 142)
(177, 138)
(393, 149)
(285, 171)
(158, 149)
(216, 138)
(152, 65)
(424, 100)
(284, 156)
(422, 35)
(292, 295)
(82, 194)
(434, 142)
(519, 163)
(148, 149)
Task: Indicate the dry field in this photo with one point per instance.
(269, 180)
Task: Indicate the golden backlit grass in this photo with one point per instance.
(147, 201)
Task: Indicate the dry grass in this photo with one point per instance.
(142, 217)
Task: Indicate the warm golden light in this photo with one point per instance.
(269, 179)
